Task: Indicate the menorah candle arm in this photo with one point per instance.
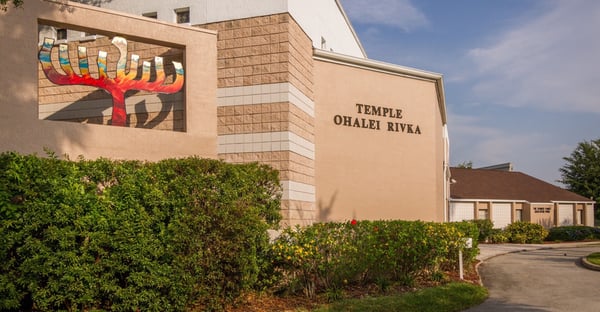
(133, 67)
(84, 67)
(63, 58)
(157, 85)
(121, 45)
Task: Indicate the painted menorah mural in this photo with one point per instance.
(116, 86)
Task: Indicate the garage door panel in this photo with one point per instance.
(501, 214)
(565, 214)
(461, 212)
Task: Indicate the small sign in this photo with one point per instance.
(468, 242)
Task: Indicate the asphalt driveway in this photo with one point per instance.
(540, 280)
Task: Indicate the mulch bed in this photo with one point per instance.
(290, 303)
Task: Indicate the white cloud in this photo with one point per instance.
(396, 13)
(551, 62)
(469, 127)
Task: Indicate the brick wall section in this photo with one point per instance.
(268, 50)
(270, 117)
(301, 68)
(291, 166)
(50, 93)
(263, 50)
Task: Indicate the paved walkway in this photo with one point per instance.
(538, 277)
(487, 251)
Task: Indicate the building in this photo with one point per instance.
(324, 22)
(281, 82)
(506, 196)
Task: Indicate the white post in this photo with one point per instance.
(468, 244)
(460, 263)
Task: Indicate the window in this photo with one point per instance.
(482, 214)
(542, 210)
(61, 34)
(183, 15)
(579, 217)
(153, 15)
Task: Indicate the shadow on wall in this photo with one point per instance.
(19, 92)
(143, 115)
(324, 210)
(95, 112)
(547, 223)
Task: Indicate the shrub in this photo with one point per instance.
(525, 232)
(485, 227)
(326, 257)
(130, 235)
(573, 233)
(469, 229)
(498, 236)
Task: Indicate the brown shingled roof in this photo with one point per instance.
(506, 185)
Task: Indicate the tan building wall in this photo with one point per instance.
(546, 214)
(517, 208)
(23, 131)
(527, 215)
(255, 91)
(265, 104)
(379, 143)
(483, 210)
(543, 214)
(573, 213)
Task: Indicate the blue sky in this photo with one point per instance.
(521, 76)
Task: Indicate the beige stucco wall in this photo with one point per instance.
(519, 206)
(545, 218)
(368, 173)
(21, 129)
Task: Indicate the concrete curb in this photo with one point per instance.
(480, 281)
(586, 264)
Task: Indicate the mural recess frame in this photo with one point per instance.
(23, 130)
(137, 93)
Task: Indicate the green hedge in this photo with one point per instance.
(519, 232)
(130, 235)
(327, 257)
(573, 233)
(485, 227)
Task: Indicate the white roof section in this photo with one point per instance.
(324, 21)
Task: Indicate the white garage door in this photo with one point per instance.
(501, 215)
(461, 211)
(565, 214)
